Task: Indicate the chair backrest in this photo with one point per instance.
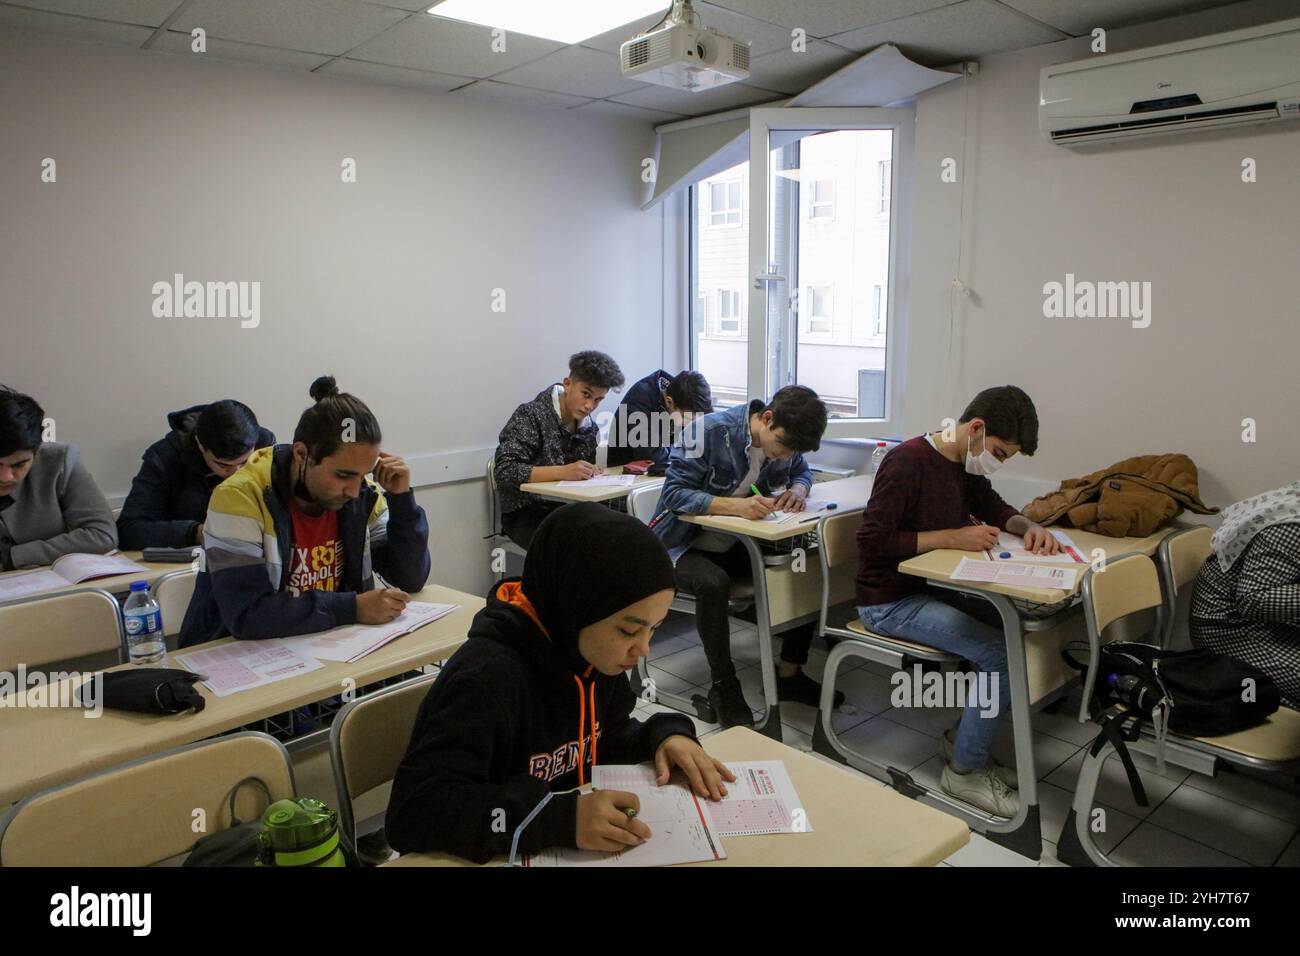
(368, 739)
(1122, 586)
(47, 628)
(143, 812)
(1181, 557)
(837, 538)
(173, 592)
(642, 502)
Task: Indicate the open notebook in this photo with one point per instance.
(69, 569)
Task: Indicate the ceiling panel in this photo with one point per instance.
(394, 75)
(825, 17)
(173, 42)
(317, 26)
(1079, 18)
(792, 72)
(149, 13)
(731, 96)
(20, 18)
(450, 46)
(972, 28)
(624, 111)
(575, 70)
(518, 95)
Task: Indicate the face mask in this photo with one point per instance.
(985, 464)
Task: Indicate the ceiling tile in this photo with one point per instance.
(729, 97)
(826, 17)
(611, 41)
(518, 95)
(450, 46)
(318, 26)
(1078, 18)
(791, 72)
(410, 6)
(972, 28)
(173, 42)
(17, 18)
(393, 75)
(574, 70)
(624, 111)
(149, 13)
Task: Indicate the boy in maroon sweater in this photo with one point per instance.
(932, 492)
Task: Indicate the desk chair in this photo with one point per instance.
(497, 537)
(1180, 558)
(141, 813)
(1128, 586)
(173, 592)
(642, 504)
(50, 628)
(367, 742)
(840, 625)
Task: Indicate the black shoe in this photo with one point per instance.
(373, 848)
(728, 702)
(799, 688)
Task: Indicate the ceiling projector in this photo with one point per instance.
(680, 53)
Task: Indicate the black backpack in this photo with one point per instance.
(1195, 693)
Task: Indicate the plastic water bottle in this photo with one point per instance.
(877, 456)
(144, 629)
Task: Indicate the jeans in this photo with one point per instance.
(949, 623)
(707, 576)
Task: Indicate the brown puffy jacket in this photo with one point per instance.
(1132, 497)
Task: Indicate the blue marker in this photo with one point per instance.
(1005, 554)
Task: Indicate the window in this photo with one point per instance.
(885, 176)
(821, 199)
(729, 311)
(820, 320)
(877, 312)
(719, 276)
(724, 203)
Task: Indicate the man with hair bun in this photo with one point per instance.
(295, 538)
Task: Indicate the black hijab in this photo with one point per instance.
(587, 562)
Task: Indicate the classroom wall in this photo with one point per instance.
(232, 172)
(1220, 255)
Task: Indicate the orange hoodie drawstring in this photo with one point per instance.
(585, 701)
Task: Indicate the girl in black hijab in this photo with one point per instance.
(539, 693)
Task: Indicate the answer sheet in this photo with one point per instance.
(354, 641)
(1015, 575)
(600, 481)
(243, 665)
(1011, 547)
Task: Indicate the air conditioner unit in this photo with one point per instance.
(678, 52)
(1232, 79)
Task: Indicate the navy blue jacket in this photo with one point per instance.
(631, 439)
(169, 496)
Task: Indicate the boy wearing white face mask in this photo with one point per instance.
(932, 492)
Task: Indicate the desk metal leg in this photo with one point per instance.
(770, 723)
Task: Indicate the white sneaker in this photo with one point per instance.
(1006, 774)
(981, 788)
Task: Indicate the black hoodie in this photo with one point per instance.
(510, 717)
(169, 495)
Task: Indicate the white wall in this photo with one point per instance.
(1220, 256)
(226, 171)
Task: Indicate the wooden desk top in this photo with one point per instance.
(48, 746)
(939, 565)
(849, 494)
(117, 583)
(553, 491)
(855, 821)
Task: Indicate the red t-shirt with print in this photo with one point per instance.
(317, 563)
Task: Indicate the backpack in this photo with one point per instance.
(1195, 693)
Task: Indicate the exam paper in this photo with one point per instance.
(243, 665)
(1011, 547)
(354, 641)
(681, 829)
(761, 800)
(69, 569)
(600, 481)
(1015, 575)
